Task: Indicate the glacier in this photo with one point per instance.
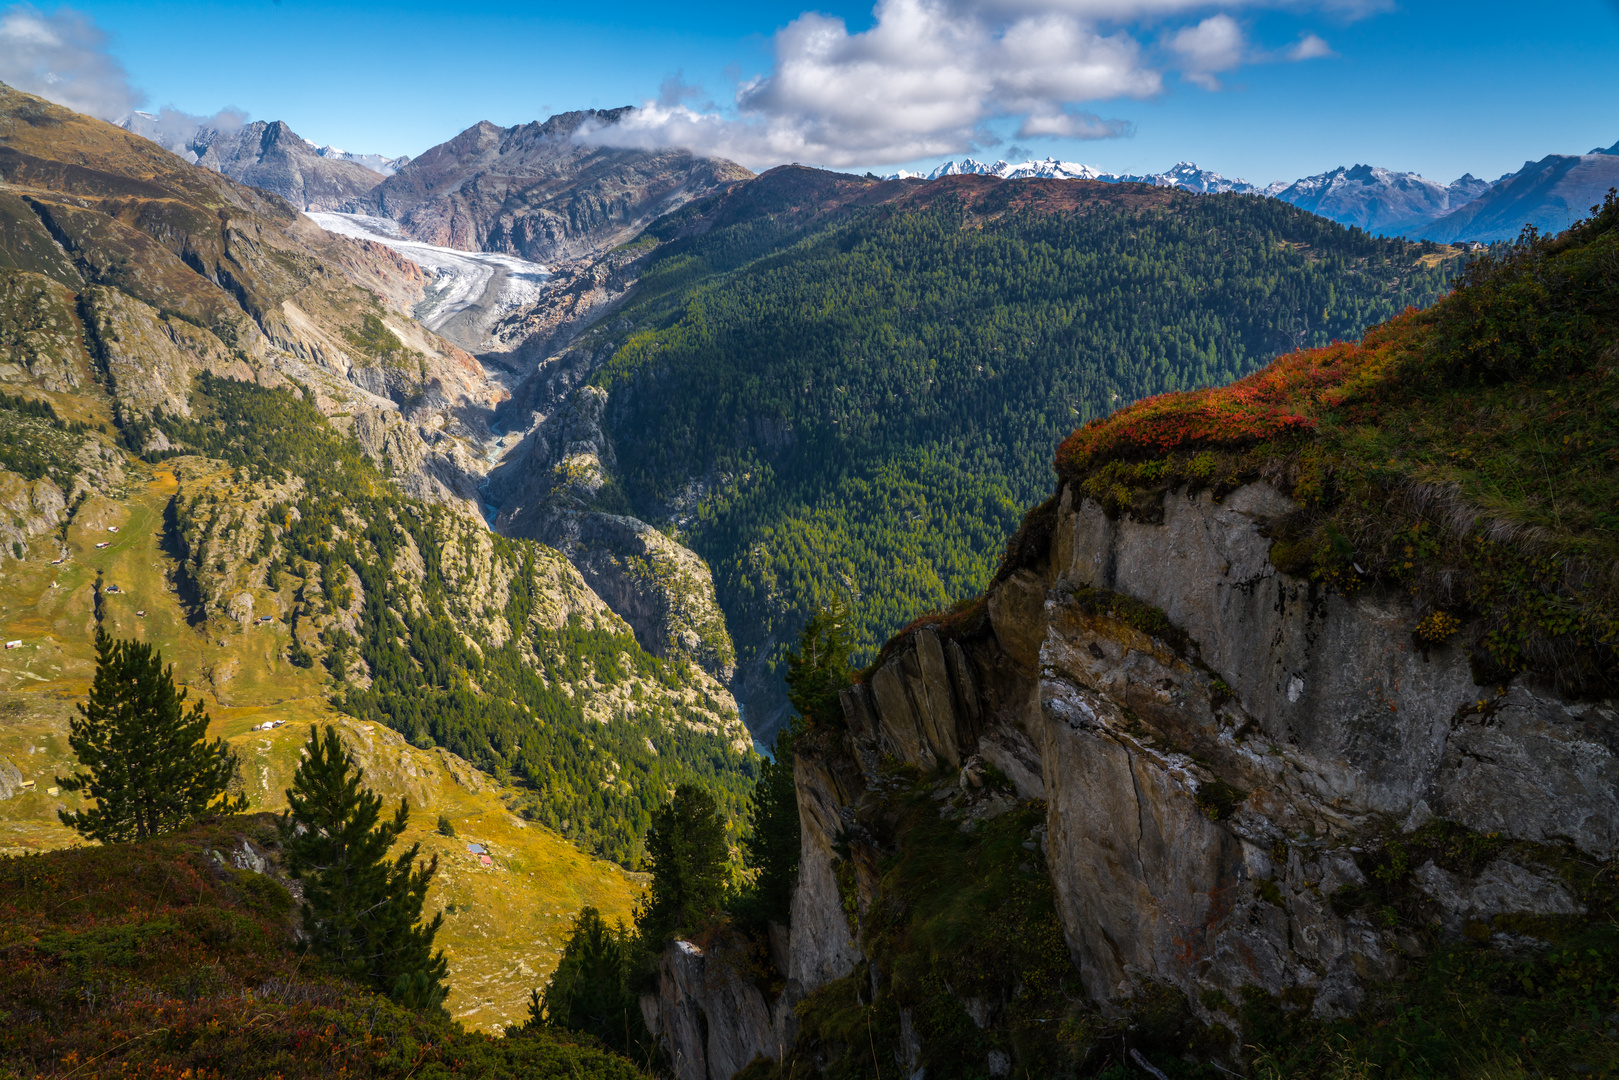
(471, 290)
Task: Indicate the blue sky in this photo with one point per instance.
(1439, 88)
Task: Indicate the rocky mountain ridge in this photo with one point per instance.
(1550, 194)
(272, 157)
(1232, 766)
(534, 191)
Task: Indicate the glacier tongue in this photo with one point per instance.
(471, 290)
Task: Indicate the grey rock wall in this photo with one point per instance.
(710, 1017)
(1204, 803)
(1206, 798)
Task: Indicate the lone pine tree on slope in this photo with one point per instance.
(149, 769)
(362, 910)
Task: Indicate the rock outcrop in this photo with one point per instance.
(710, 1016)
(1219, 747)
(558, 488)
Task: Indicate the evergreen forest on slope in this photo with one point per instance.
(406, 662)
(856, 405)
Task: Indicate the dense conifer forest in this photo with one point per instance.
(859, 408)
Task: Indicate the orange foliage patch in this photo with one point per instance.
(1286, 398)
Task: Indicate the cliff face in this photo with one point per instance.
(1215, 752)
(558, 489)
(537, 192)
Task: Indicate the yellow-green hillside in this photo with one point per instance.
(505, 923)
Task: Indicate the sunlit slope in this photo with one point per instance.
(504, 931)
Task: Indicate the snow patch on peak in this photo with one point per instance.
(387, 166)
(1184, 174)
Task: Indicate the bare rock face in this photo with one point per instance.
(272, 157)
(711, 1018)
(1361, 716)
(539, 191)
(1211, 779)
(559, 490)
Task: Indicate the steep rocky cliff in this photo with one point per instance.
(559, 490)
(1219, 756)
(1257, 752)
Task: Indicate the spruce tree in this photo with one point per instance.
(772, 845)
(362, 910)
(149, 769)
(819, 670)
(591, 990)
(688, 856)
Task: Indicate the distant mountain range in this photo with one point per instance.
(272, 157)
(387, 166)
(1550, 194)
(1183, 174)
(1379, 200)
(535, 192)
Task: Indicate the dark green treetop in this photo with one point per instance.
(688, 857)
(592, 989)
(816, 672)
(772, 845)
(149, 769)
(819, 670)
(362, 910)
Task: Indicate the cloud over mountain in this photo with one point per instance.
(63, 57)
(933, 76)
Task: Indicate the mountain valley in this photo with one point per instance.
(1172, 622)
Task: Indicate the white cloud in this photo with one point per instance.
(1070, 123)
(174, 130)
(1309, 47)
(1214, 45)
(926, 79)
(934, 77)
(63, 57)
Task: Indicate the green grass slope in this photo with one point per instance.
(166, 959)
(505, 923)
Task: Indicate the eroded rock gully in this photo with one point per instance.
(1204, 796)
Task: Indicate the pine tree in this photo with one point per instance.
(591, 990)
(819, 670)
(149, 769)
(362, 910)
(816, 673)
(687, 854)
(772, 845)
